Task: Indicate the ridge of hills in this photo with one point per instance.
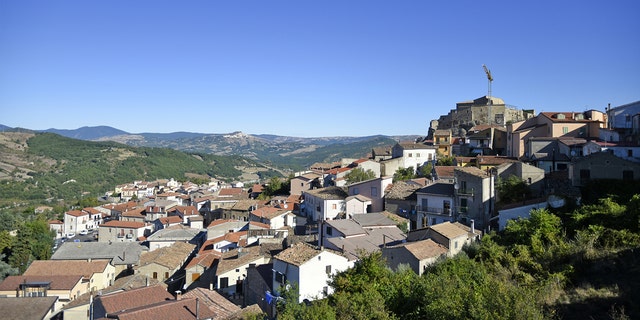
(295, 153)
(38, 166)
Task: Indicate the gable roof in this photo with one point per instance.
(171, 257)
(269, 212)
(56, 282)
(229, 192)
(119, 253)
(449, 230)
(134, 298)
(298, 254)
(77, 213)
(66, 267)
(27, 308)
(123, 224)
(174, 233)
(376, 219)
(188, 308)
(402, 190)
(348, 227)
(233, 259)
(222, 307)
(328, 193)
(444, 171)
(423, 249)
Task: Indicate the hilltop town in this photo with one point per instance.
(219, 250)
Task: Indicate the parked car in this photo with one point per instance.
(84, 232)
(70, 235)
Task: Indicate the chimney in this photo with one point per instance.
(197, 308)
(178, 295)
(473, 228)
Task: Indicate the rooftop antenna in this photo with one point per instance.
(489, 100)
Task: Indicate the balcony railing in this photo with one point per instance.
(433, 210)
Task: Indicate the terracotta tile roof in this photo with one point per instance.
(445, 171)
(55, 222)
(257, 187)
(298, 254)
(76, 213)
(171, 257)
(425, 249)
(27, 308)
(233, 237)
(138, 213)
(244, 205)
(205, 260)
(473, 171)
(123, 224)
(130, 299)
(493, 160)
(91, 210)
(414, 146)
(170, 220)
(215, 301)
(58, 282)
(339, 170)
(66, 267)
(167, 310)
(236, 258)
(269, 212)
(449, 230)
(329, 193)
(402, 190)
(186, 210)
(254, 225)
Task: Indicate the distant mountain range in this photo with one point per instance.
(281, 151)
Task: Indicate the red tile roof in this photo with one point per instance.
(133, 298)
(58, 282)
(76, 213)
(123, 224)
(66, 268)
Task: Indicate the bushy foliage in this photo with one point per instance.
(403, 174)
(359, 174)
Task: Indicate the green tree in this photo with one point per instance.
(512, 189)
(403, 174)
(6, 269)
(424, 171)
(358, 174)
(289, 307)
(444, 160)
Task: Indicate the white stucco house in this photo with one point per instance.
(325, 203)
(308, 267)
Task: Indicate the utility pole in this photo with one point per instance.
(489, 100)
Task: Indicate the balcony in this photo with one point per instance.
(433, 210)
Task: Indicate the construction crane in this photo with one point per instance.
(489, 100)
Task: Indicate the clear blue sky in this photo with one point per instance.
(306, 68)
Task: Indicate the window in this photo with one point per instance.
(433, 221)
(565, 130)
(446, 207)
(334, 206)
(329, 231)
(374, 191)
(629, 153)
(455, 244)
(280, 278)
(410, 155)
(627, 175)
(356, 191)
(463, 186)
(425, 204)
(328, 269)
(166, 275)
(155, 275)
(224, 283)
(418, 155)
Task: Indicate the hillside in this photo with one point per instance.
(37, 166)
(295, 153)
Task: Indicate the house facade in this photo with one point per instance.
(436, 204)
(325, 203)
(309, 268)
(602, 165)
(122, 231)
(372, 189)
